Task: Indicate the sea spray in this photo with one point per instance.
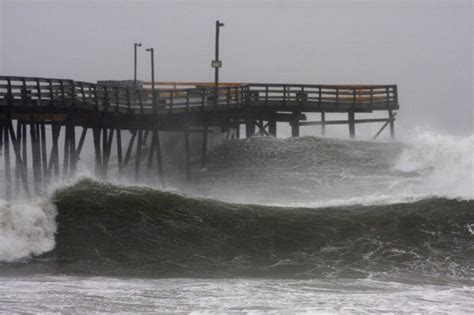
(26, 229)
(444, 164)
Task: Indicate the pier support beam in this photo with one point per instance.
(138, 156)
(323, 123)
(119, 151)
(159, 157)
(6, 154)
(36, 156)
(72, 150)
(272, 127)
(351, 117)
(205, 134)
(98, 152)
(250, 128)
(18, 162)
(187, 155)
(295, 125)
(237, 130)
(54, 155)
(391, 117)
(44, 154)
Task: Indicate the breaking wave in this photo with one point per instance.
(302, 207)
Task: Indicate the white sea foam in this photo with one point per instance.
(26, 229)
(445, 164)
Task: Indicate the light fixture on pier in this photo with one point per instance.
(135, 63)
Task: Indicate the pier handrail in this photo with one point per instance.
(179, 96)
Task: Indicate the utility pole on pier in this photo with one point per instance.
(135, 63)
(152, 53)
(216, 63)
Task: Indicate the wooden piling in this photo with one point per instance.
(81, 143)
(44, 154)
(272, 127)
(24, 146)
(119, 151)
(295, 124)
(351, 118)
(323, 123)
(66, 147)
(36, 156)
(151, 151)
(129, 148)
(6, 155)
(159, 157)
(250, 128)
(237, 130)
(138, 156)
(54, 155)
(106, 150)
(72, 150)
(1, 139)
(205, 134)
(18, 162)
(97, 151)
(187, 153)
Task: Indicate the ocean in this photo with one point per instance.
(298, 225)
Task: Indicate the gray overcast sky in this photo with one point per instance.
(425, 47)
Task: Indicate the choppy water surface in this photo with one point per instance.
(72, 294)
(304, 224)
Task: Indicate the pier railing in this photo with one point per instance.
(172, 97)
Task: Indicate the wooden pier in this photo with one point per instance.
(77, 108)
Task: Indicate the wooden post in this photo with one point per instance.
(6, 154)
(18, 162)
(187, 150)
(66, 152)
(138, 156)
(151, 152)
(323, 123)
(44, 154)
(119, 151)
(272, 127)
(54, 155)
(351, 117)
(1, 139)
(159, 158)
(24, 147)
(97, 150)
(249, 128)
(22, 170)
(129, 148)
(237, 130)
(81, 143)
(104, 152)
(36, 156)
(295, 125)
(107, 149)
(72, 149)
(205, 134)
(390, 111)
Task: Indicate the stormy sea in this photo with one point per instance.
(307, 224)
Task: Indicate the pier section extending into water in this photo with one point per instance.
(107, 110)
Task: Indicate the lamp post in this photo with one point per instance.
(216, 63)
(152, 54)
(135, 45)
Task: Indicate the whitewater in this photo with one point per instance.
(294, 225)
